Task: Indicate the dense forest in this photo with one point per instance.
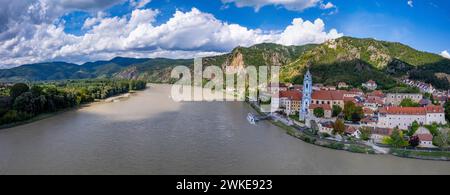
(20, 102)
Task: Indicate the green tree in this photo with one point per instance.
(409, 103)
(396, 140)
(336, 110)
(319, 112)
(352, 112)
(339, 127)
(434, 129)
(366, 133)
(413, 129)
(18, 89)
(442, 139)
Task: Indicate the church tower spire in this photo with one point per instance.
(307, 93)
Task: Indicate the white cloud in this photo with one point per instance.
(445, 54)
(302, 32)
(139, 3)
(328, 5)
(295, 5)
(185, 35)
(410, 3)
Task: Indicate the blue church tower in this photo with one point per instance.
(307, 93)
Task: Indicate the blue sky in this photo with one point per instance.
(78, 33)
(425, 25)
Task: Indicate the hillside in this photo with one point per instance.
(129, 68)
(258, 55)
(345, 59)
(357, 60)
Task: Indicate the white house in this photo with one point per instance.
(353, 131)
(370, 85)
(326, 127)
(425, 137)
(403, 117)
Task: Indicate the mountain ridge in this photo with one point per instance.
(352, 60)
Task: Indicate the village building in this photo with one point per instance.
(394, 99)
(352, 131)
(326, 108)
(370, 121)
(326, 127)
(403, 117)
(368, 111)
(425, 137)
(376, 93)
(328, 88)
(289, 101)
(426, 141)
(297, 88)
(373, 103)
(357, 91)
(370, 85)
(331, 98)
(343, 85)
(317, 87)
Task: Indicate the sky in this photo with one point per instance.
(78, 31)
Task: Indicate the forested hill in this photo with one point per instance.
(345, 59)
(124, 68)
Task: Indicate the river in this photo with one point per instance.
(151, 134)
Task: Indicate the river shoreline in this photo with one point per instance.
(356, 148)
(43, 116)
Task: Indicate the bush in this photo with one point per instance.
(13, 116)
(358, 149)
(319, 112)
(337, 146)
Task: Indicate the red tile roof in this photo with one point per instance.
(350, 129)
(350, 99)
(396, 110)
(425, 137)
(292, 95)
(368, 111)
(376, 93)
(374, 100)
(324, 106)
(328, 95)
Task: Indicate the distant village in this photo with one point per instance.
(321, 107)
